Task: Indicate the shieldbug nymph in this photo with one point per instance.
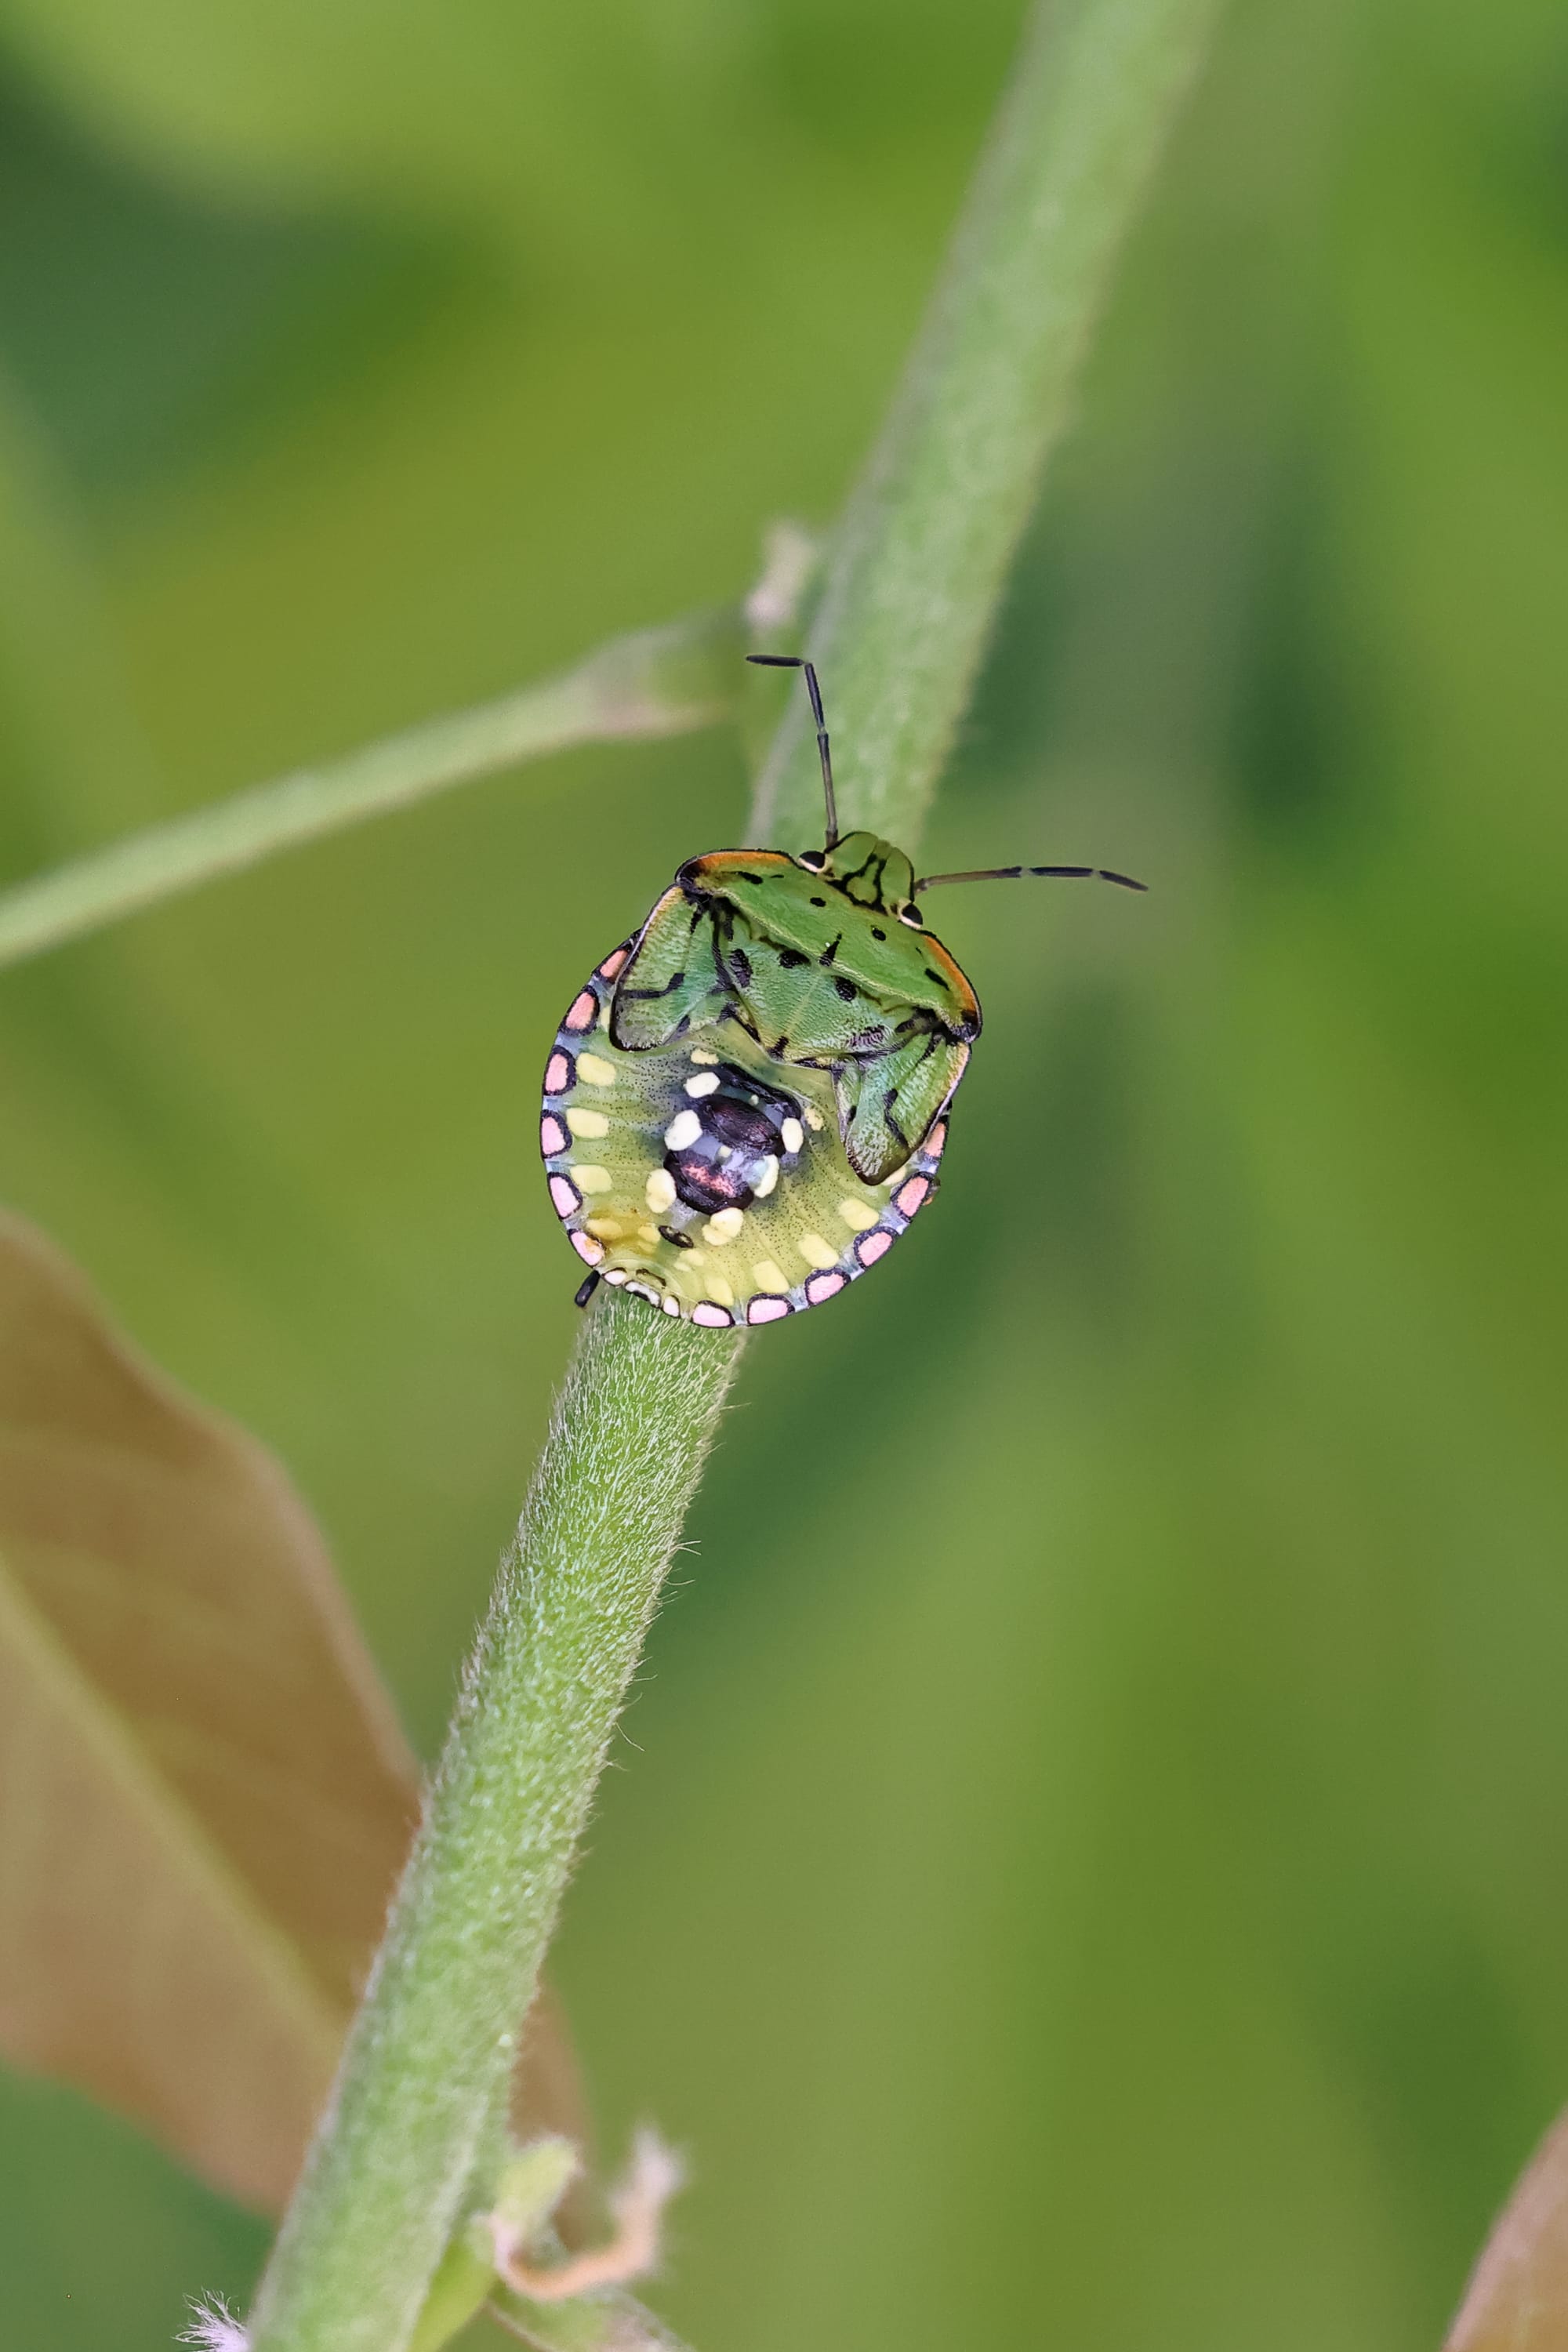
(747, 1101)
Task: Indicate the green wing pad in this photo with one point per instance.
(674, 982)
(707, 1177)
(895, 1095)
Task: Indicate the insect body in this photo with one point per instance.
(747, 1102)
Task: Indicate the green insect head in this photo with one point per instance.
(871, 873)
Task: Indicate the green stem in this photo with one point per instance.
(917, 571)
(915, 583)
(664, 681)
(433, 2043)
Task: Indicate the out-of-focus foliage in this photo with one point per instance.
(204, 1795)
(1087, 1874)
(206, 1799)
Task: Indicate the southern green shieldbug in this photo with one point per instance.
(747, 1101)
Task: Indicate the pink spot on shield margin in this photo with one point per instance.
(552, 1136)
(935, 1140)
(584, 1012)
(566, 1197)
(873, 1245)
(557, 1074)
(907, 1197)
(612, 964)
(715, 1317)
(589, 1250)
(823, 1286)
(767, 1310)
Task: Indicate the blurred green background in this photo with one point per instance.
(1088, 1869)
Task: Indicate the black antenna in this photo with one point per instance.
(1020, 873)
(794, 661)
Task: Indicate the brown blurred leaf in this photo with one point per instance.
(204, 1796)
(1517, 2300)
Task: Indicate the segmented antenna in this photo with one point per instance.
(1022, 873)
(794, 661)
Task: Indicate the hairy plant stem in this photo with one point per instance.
(430, 2054)
(916, 571)
(913, 589)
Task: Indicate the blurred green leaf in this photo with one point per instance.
(66, 723)
(454, 106)
(200, 304)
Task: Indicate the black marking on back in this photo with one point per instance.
(676, 979)
(844, 880)
(736, 1012)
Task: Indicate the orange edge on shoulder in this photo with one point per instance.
(959, 977)
(716, 861)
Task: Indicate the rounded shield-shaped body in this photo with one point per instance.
(707, 1175)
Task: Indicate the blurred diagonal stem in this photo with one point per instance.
(913, 584)
(664, 681)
